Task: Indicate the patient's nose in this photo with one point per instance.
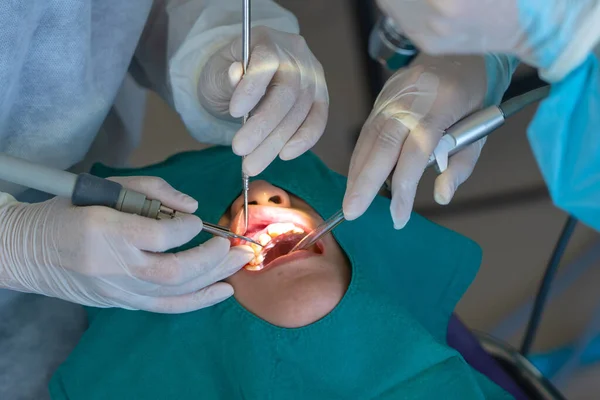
(262, 193)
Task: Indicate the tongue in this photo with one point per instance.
(281, 245)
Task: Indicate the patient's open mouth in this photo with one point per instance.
(278, 230)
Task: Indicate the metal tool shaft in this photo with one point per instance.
(473, 128)
(221, 231)
(245, 61)
(323, 229)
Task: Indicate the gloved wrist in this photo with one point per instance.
(12, 246)
(499, 69)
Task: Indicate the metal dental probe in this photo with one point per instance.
(88, 190)
(245, 60)
(321, 230)
(460, 135)
(219, 230)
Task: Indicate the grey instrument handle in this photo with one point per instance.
(35, 176)
(83, 189)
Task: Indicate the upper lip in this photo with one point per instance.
(266, 215)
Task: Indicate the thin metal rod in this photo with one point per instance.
(245, 184)
(246, 35)
(245, 61)
(221, 231)
(320, 231)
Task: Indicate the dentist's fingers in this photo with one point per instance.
(314, 125)
(374, 162)
(460, 167)
(262, 67)
(173, 269)
(308, 134)
(158, 189)
(364, 146)
(409, 170)
(156, 235)
(268, 150)
(236, 259)
(281, 96)
(203, 291)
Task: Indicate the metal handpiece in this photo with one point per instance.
(245, 59)
(471, 129)
(320, 231)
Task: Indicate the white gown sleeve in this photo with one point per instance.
(585, 41)
(180, 37)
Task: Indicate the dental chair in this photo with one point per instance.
(500, 363)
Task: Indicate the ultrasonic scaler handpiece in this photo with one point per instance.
(92, 190)
(86, 190)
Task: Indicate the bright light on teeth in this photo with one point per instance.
(279, 228)
(264, 237)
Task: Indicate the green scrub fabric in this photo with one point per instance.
(386, 339)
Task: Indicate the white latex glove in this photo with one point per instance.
(100, 257)
(284, 88)
(536, 31)
(415, 107)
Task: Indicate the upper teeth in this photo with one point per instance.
(280, 228)
(264, 239)
(273, 231)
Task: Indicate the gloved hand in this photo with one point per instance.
(100, 257)
(536, 31)
(284, 88)
(413, 110)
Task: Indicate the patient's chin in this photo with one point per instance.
(295, 303)
(307, 307)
